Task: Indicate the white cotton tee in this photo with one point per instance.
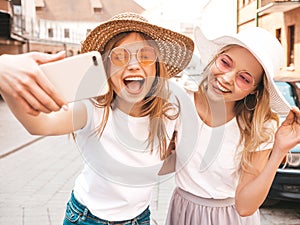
(210, 170)
(119, 170)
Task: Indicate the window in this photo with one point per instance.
(50, 32)
(278, 34)
(67, 33)
(18, 22)
(96, 6)
(291, 45)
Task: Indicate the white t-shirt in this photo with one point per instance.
(119, 170)
(210, 169)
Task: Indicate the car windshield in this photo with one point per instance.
(286, 90)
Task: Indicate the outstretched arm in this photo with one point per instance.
(22, 79)
(55, 123)
(254, 187)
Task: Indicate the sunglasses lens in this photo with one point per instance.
(224, 63)
(146, 55)
(119, 57)
(244, 80)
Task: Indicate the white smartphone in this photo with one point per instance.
(78, 77)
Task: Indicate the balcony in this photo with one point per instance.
(40, 30)
(271, 6)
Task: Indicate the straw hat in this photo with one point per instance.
(263, 45)
(175, 49)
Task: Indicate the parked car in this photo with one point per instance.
(286, 185)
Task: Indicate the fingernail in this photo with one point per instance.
(63, 52)
(65, 107)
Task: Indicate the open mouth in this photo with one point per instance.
(221, 88)
(134, 84)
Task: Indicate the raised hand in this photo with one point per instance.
(22, 79)
(288, 134)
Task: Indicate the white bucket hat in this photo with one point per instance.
(263, 45)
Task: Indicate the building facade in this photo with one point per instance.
(280, 17)
(53, 25)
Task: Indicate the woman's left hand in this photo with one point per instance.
(288, 134)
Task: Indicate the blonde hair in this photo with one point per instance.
(251, 122)
(155, 104)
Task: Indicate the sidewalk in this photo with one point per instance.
(36, 182)
(13, 135)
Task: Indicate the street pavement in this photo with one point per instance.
(38, 174)
(13, 135)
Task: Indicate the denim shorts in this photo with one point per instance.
(76, 213)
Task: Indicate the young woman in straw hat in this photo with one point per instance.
(237, 151)
(123, 135)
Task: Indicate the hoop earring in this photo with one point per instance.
(254, 105)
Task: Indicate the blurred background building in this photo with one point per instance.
(54, 25)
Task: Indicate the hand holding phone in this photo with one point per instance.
(78, 77)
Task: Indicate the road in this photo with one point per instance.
(37, 175)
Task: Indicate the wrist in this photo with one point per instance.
(277, 155)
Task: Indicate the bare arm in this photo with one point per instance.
(22, 79)
(55, 123)
(254, 187)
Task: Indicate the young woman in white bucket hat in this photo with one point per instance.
(231, 165)
(123, 135)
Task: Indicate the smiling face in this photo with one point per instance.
(234, 74)
(132, 68)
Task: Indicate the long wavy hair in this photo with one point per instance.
(251, 121)
(155, 104)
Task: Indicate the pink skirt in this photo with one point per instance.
(188, 209)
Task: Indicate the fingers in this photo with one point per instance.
(47, 93)
(28, 109)
(296, 112)
(36, 104)
(293, 118)
(36, 91)
(48, 98)
(22, 103)
(42, 58)
(289, 119)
